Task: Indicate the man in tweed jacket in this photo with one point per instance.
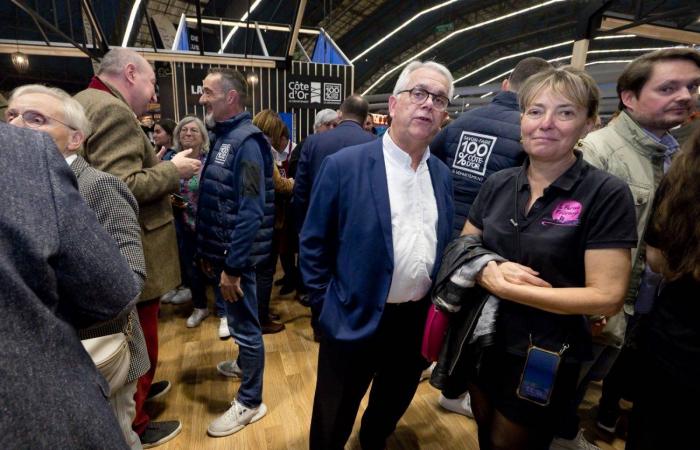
(120, 92)
(55, 260)
(116, 210)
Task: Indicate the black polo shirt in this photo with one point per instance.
(585, 208)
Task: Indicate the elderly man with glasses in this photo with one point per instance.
(54, 112)
(379, 218)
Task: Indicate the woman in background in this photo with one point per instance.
(163, 138)
(191, 135)
(277, 135)
(670, 342)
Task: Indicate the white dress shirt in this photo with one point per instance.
(414, 218)
(70, 159)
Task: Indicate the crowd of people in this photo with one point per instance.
(560, 252)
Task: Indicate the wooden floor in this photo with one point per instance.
(188, 358)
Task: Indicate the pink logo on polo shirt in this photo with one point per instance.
(566, 213)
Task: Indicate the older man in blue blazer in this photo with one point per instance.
(379, 218)
(318, 146)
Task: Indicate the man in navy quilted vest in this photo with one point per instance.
(234, 232)
(484, 140)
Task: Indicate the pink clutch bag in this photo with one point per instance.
(436, 325)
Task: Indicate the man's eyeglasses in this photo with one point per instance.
(33, 119)
(418, 96)
(194, 130)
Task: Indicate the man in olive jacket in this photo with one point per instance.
(116, 96)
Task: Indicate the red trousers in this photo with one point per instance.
(148, 317)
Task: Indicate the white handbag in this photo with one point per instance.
(111, 356)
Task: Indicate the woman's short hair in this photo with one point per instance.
(202, 131)
(324, 116)
(73, 112)
(270, 123)
(568, 82)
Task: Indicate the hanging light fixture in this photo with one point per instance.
(252, 78)
(20, 61)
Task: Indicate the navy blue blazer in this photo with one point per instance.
(346, 248)
(316, 148)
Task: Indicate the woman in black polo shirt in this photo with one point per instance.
(566, 229)
(670, 343)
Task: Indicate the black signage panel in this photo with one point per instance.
(193, 84)
(314, 92)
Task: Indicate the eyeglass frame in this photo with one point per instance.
(30, 125)
(428, 95)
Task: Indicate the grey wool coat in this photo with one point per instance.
(55, 259)
(117, 145)
(117, 211)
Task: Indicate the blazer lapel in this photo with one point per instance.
(443, 226)
(380, 192)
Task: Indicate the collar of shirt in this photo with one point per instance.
(668, 141)
(565, 182)
(70, 159)
(400, 158)
(280, 157)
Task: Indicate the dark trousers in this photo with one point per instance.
(264, 275)
(660, 417)
(192, 276)
(390, 360)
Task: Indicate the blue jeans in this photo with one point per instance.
(244, 325)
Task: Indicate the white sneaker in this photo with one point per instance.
(183, 295)
(230, 369)
(577, 443)
(197, 316)
(427, 372)
(224, 332)
(460, 405)
(168, 296)
(235, 419)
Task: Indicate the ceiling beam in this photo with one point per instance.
(651, 31)
(298, 15)
(86, 7)
(45, 23)
(199, 27)
(60, 49)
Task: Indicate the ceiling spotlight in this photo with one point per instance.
(20, 61)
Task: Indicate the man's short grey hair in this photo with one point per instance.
(323, 116)
(202, 131)
(232, 80)
(402, 82)
(115, 60)
(73, 112)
